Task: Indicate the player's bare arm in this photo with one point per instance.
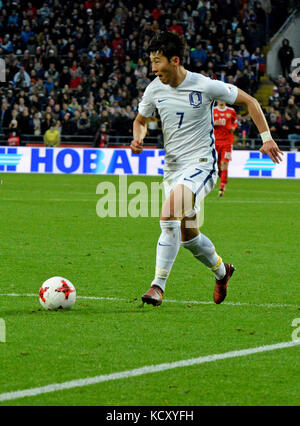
(139, 133)
(269, 146)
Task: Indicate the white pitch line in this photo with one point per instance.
(147, 369)
(184, 302)
(209, 201)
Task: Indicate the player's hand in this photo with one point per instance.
(271, 149)
(137, 146)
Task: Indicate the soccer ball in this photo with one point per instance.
(57, 293)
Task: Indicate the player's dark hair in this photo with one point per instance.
(168, 44)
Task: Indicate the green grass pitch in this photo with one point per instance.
(49, 227)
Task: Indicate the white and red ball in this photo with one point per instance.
(57, 293)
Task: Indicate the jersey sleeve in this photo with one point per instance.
(218, 90)
(147, 104)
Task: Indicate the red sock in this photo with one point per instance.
(224, 178)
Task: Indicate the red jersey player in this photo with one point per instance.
(225, 123)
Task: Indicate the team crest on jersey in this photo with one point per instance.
(195, 99)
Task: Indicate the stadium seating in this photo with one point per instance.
(89, 71)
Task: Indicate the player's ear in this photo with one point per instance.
(175, 61)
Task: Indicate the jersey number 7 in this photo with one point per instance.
(181, 118)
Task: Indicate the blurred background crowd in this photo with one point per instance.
(80, 67)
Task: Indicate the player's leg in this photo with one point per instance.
(180, 222)
(197, 243)
(169, 241)
(204, 251)
(223, 177)
(224, 162)
(201, 246)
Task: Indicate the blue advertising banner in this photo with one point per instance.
(123, 162)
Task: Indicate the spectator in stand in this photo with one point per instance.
(74, 105)
(140, 70)
(76, 78)
(244, 128)
(117, 44)
(5, 114)
(292, 108)
(275, 126)
(143, 82)
(52, 72)
(288, 126)
(7, 45)
(65, 77)
(176, 28)
(49, 85)
(286, 55)
(46, 123)
(31, 11)
(101, 137)
(156, 13)
(56, 112)
(258, 63)
(106, 53)
(231, 68)
(121, 124)
(83, 124)
(24, 121)
(21, 103)
(14, 133)
(133, 51)
(25, 35)
(52, 135)
(97, 39)
(15, 113)
(45, 12)
(36, 124)
(21, 77)
(89, 5)
(94, 121)
(242, 80)
(294, 137)
(13, 19)
(68, 126)
(198, 54)
(105, 119)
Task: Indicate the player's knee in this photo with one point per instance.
(188, 234)
(189, 227)
(171, 232)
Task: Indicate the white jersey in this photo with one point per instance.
(187, 117)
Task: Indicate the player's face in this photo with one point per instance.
(162, 67)
(221, 104)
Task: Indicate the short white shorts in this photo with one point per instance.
(198, 179)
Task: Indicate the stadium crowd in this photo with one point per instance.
(82, 66)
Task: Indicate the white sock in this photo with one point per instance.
(167, 248)
(204, 250)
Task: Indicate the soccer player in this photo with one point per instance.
(184, 101)
(225, 123)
